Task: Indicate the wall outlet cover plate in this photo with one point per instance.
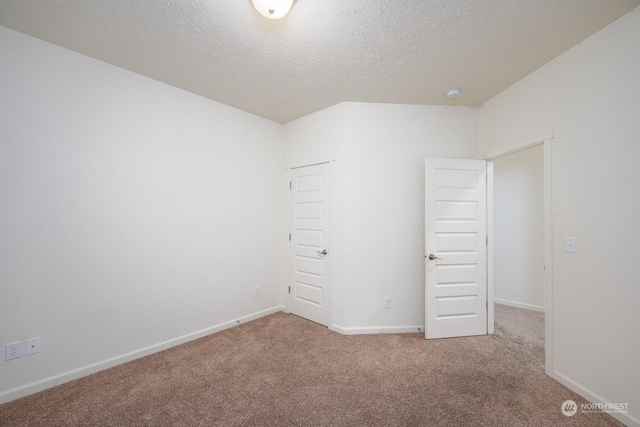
(13, 350)
(33, 346)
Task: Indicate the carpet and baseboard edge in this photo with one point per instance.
(516, 304)
(626, 419)
(43, 384)
(365, 330)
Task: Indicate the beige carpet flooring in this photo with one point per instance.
(282, 370)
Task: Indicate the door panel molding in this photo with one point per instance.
(455, 247)
(308, 290)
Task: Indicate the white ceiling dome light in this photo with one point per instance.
(453, 93)
(272, 9)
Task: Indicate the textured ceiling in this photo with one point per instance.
(325, 51)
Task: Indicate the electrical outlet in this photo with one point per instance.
(387, 302)
(14, 350)
(256, 291)
(33, 346)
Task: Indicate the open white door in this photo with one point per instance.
(456, 248)
(310, 251)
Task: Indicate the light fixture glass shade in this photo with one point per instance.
(453, 93)
(272, 9)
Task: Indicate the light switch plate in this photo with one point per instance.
(570, 245)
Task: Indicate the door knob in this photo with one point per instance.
(324, 252)
(432, 257)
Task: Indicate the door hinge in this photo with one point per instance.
(289, 236)
(486, 241)
(289, 289)
(290, 184)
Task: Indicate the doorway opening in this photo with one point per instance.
(518, 208)
(522, 250)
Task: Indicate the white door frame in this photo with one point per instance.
(287, 282)
(490, 258)
(547, 141)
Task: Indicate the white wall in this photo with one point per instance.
(384, 206)
(590, 96)
(316, 138)
(132, 213)
(518, 229)
(379, 201)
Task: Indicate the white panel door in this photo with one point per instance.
(310, 251)
(456, 248)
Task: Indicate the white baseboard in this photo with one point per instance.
(626, 419)
(65, 377)
(378, 330)
(519, 304)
